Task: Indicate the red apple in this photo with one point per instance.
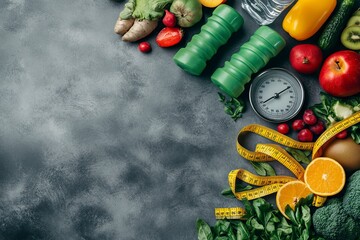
(340, 74)
(306, 58)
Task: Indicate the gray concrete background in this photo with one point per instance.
(100, 141)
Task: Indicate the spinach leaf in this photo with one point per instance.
(222, 238)
(306, 217)
(222, 227)
(284, 228)
(204, 230)
(263, 168)
(355, 133)
(258, 168)
(231, 235)
(291, 214)
(270, 171)
(233, 106)
(242, 232)
(300, 155)
(253, 222)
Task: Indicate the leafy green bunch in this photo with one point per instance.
(232, 106)
(263, 222)
(333, 109)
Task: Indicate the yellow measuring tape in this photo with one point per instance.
(270, 152)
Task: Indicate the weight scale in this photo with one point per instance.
(276, 95)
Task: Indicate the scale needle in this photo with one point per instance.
(276, 95)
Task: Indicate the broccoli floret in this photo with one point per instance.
(332, 222)
(351, 201)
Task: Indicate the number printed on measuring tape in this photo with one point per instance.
(229, 213)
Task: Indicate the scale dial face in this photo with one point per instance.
(276, 95)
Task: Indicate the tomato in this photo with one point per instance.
(318, 128)
(310, 119)
(169, 36)
(305, 135)
(298, 124)
(341, 135)
(144, 47)
(283, 128)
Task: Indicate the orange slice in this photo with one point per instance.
(290, 193)
(211, 3)
(324, 176)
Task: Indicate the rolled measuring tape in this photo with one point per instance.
(271, 152)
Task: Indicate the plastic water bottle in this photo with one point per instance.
(265, 12)
(224, 21)
(253, 55)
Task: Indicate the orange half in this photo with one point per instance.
(324, 176)
(290, 193)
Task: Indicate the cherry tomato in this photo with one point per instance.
(341, 135)
(298, 124)
(144, 47)
(283, 128)
(169, 36)
(310, 119)
(318, 128)
(308, 112)
(305, 135)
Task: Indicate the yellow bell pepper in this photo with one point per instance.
(306, 17)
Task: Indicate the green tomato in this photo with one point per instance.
(187, 12)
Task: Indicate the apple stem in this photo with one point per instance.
(338, 64)
(305, 60)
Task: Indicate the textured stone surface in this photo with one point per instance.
(100, 141)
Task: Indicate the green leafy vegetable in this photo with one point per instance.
(204, 230)
(333, 109)
(144, 9)
(302, 156)
(243, 232)
(300, 218)
(263, 222)
(263, 168)
(232, 106)
(355, 133)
